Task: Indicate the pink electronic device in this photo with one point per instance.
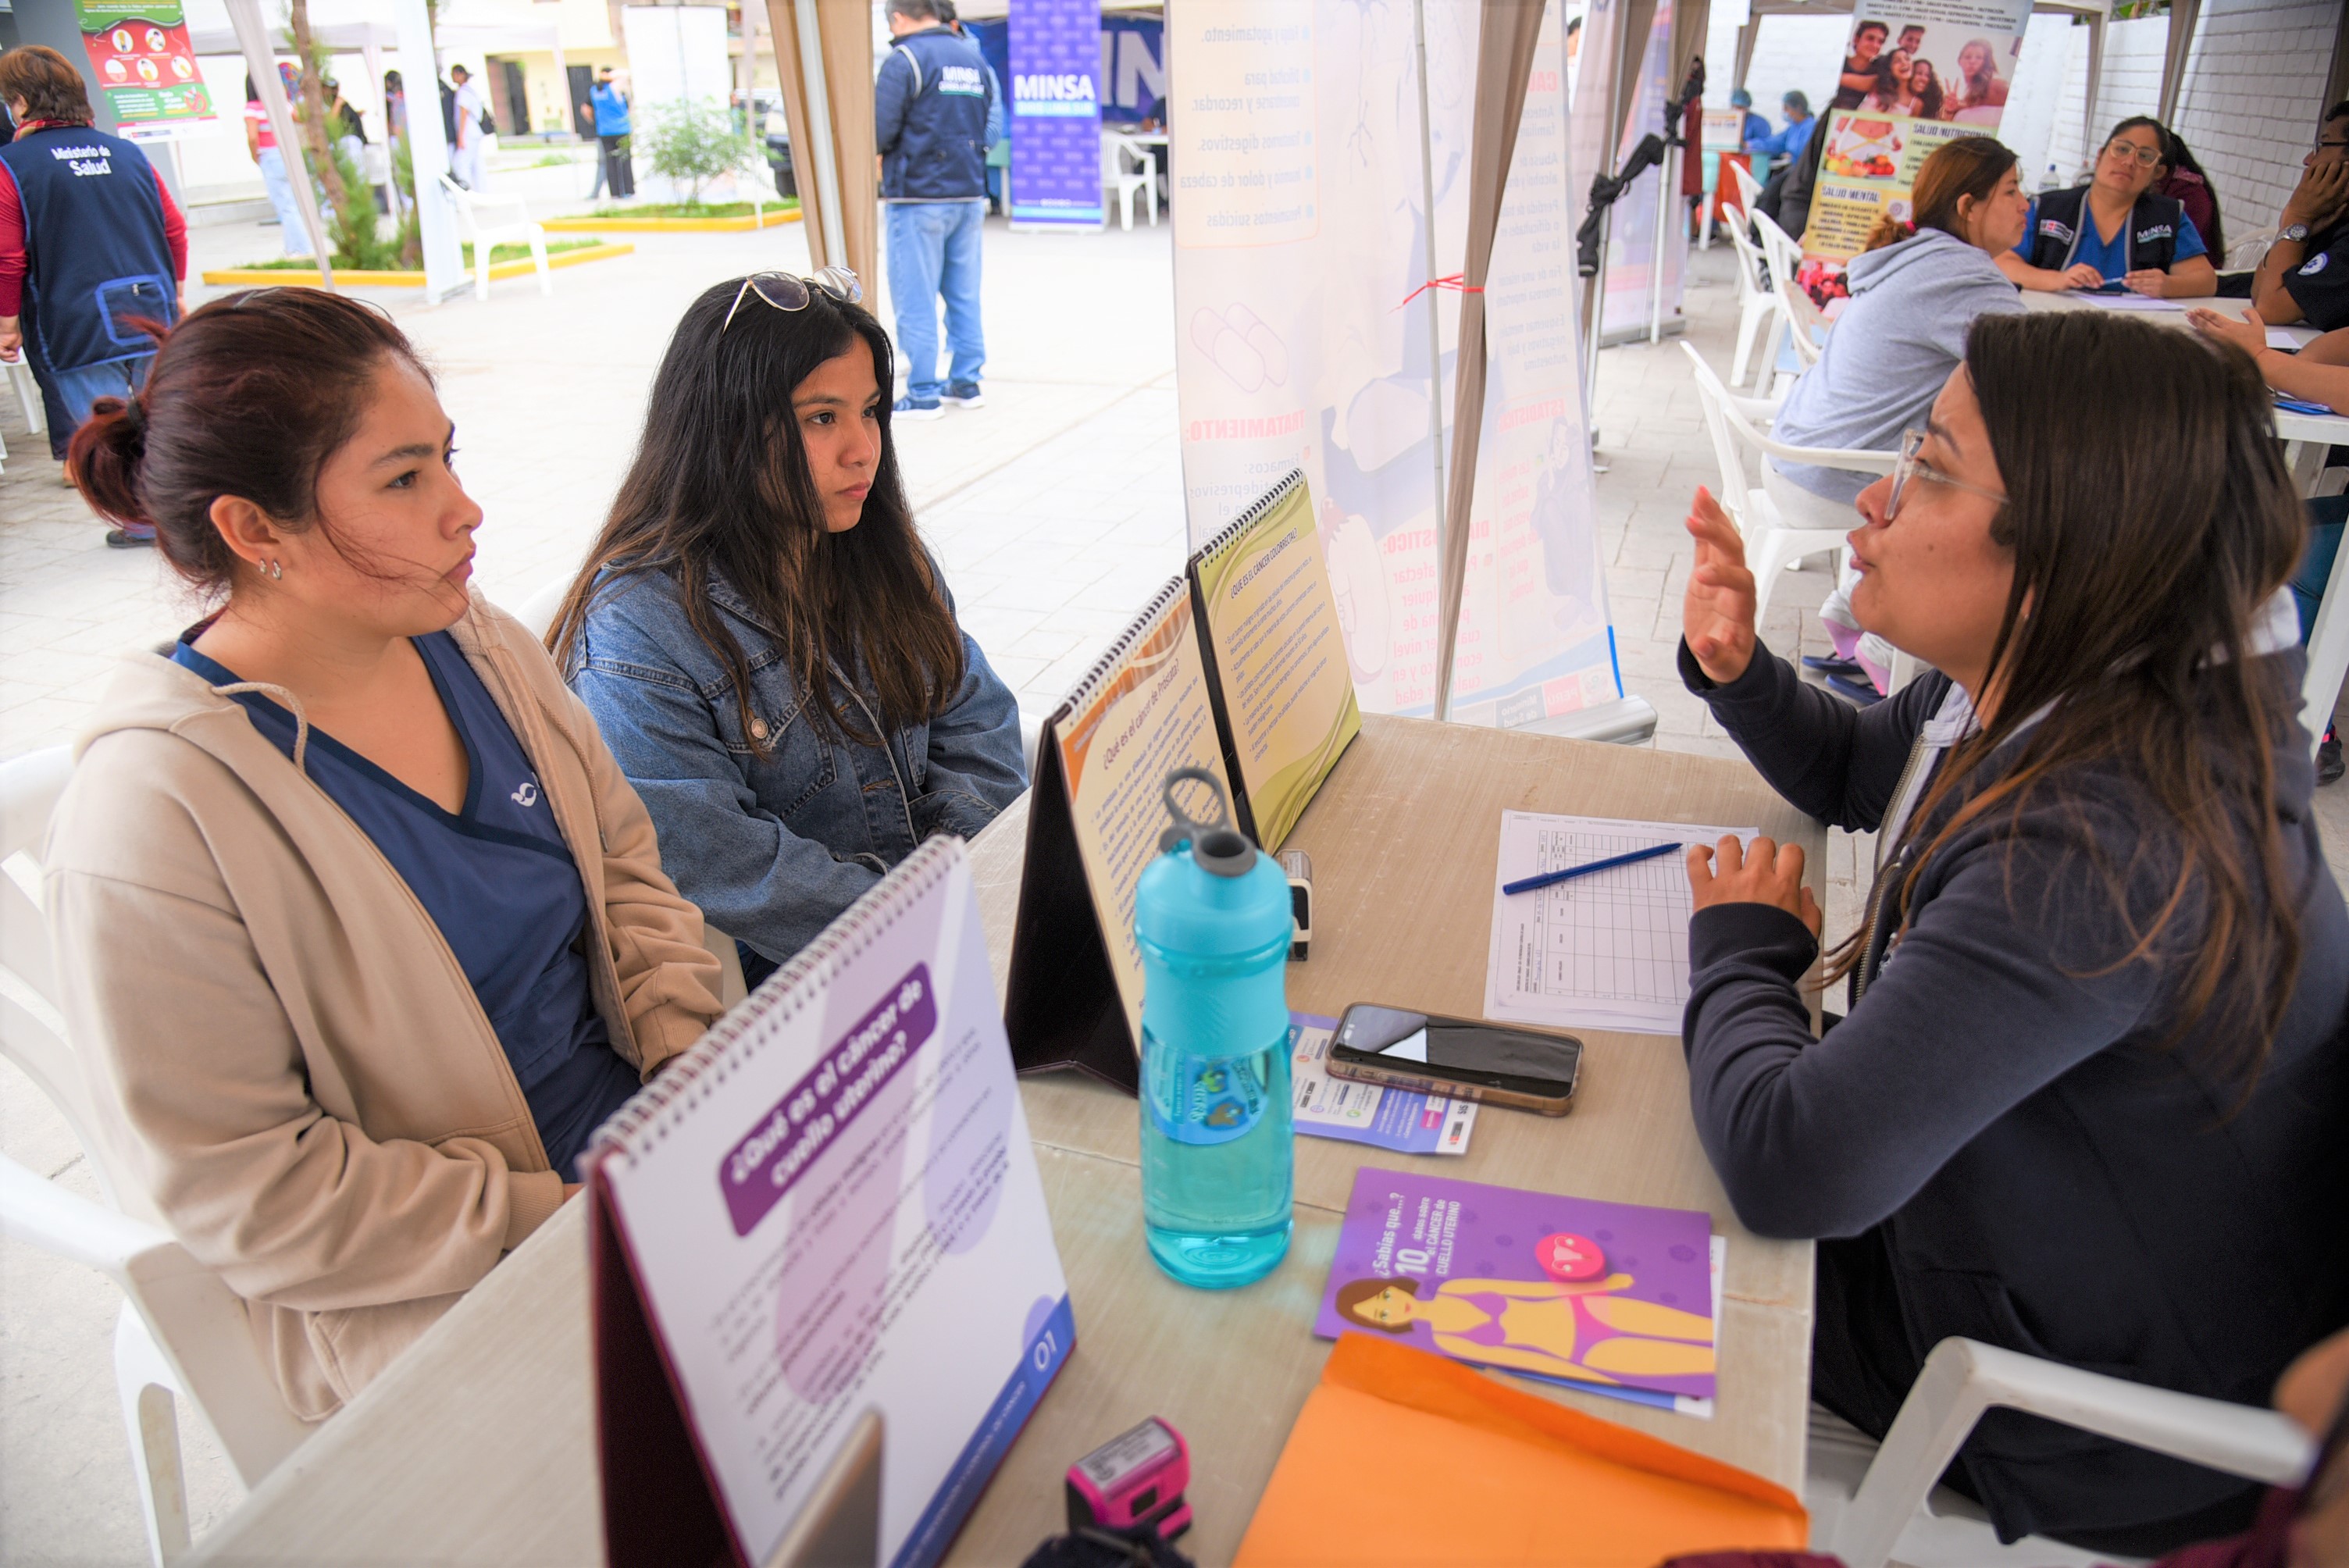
(1135, 1478)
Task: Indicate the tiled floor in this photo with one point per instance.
(1057, 509)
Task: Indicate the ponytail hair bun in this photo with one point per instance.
(105, 454)
(1888, 231)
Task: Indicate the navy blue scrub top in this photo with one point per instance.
(499, 882)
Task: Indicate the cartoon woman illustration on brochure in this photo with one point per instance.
(1583, 1332)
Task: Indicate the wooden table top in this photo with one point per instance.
(478, 1445)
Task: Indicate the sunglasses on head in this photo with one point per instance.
(787, 292)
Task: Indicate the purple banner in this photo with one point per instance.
(1056, 160)
(811, 1116)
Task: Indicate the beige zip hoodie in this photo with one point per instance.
(278, 1038)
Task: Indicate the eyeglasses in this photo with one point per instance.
(1911, 467)
(2147, 156)
(787, 293)
(2321, 144)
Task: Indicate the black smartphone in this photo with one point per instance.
(1463, 1058)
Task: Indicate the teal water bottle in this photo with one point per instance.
(1218, 1161)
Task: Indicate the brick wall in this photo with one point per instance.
(2254, 85)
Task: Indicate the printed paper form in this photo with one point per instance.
(1608, 951)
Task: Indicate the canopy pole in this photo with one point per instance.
(261, 59)
(819, 102)
(1434, 314)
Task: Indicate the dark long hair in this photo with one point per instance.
(720, 487)
(2145, 551)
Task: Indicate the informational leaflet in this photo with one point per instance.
(1143, 712)
(1604, 1297)
(832, 1207)
(1277, 653)
(1404, 1120)
(1606, 951)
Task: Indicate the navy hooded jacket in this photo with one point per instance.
(929, 118)
(2004, 1109)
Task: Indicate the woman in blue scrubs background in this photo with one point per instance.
(2114, 229)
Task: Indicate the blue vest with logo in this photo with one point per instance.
(934, 89)
(2150, 240)
(94, 237)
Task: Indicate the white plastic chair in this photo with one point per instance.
(1122, 181)
(1804, 323)
(29, 395)
(182, 1330)
(1749, 189)
(1781, 250)
(1757, 306)
(2249, 250)
(1962, 1380)
(486, 237)
(1778, 526)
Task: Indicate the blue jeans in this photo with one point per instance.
(281, 197)
(934, 251)
(67, 395)
(2325, 517)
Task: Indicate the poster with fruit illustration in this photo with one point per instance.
(150, 88)
(1911, 78)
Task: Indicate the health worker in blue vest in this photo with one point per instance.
(90, 242)
(2114, 229)
(930, 110)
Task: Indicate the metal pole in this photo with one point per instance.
(261, 59)
(1434, 314)
(428, 148)
(1668, 196)
(819, 114)
(1593, 311)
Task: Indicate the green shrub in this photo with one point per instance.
(690, 142)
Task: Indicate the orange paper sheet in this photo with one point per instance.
(1403, 1457)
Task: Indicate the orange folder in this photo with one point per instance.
(1407, 1458)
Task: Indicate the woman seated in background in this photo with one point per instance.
(2116, 229)
(359, 928)
(2181, 179)
(1915, 291)
(769, 651)
(2086, 1102)
(2318, 373)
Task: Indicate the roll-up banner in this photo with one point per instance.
(1056, 158)
(1913, 75)
(1302, 333)
(1631, 256)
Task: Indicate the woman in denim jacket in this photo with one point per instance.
(769, 650)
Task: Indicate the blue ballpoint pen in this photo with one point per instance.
(1527, 884)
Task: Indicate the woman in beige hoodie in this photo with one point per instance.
(360, 930)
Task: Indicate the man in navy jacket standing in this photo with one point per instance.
(929, 116)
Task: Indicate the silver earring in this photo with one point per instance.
(275, 571)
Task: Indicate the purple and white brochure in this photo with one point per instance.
(1612, 1298)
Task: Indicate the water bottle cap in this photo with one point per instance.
(1217, 847)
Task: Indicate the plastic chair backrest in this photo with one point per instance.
(1713, 399)
(1749, 189)
(2247, 252)
(1749, 263)
(33, 1036)
(1780, 249)
(1804, 320)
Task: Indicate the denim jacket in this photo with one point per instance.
(774, 847)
